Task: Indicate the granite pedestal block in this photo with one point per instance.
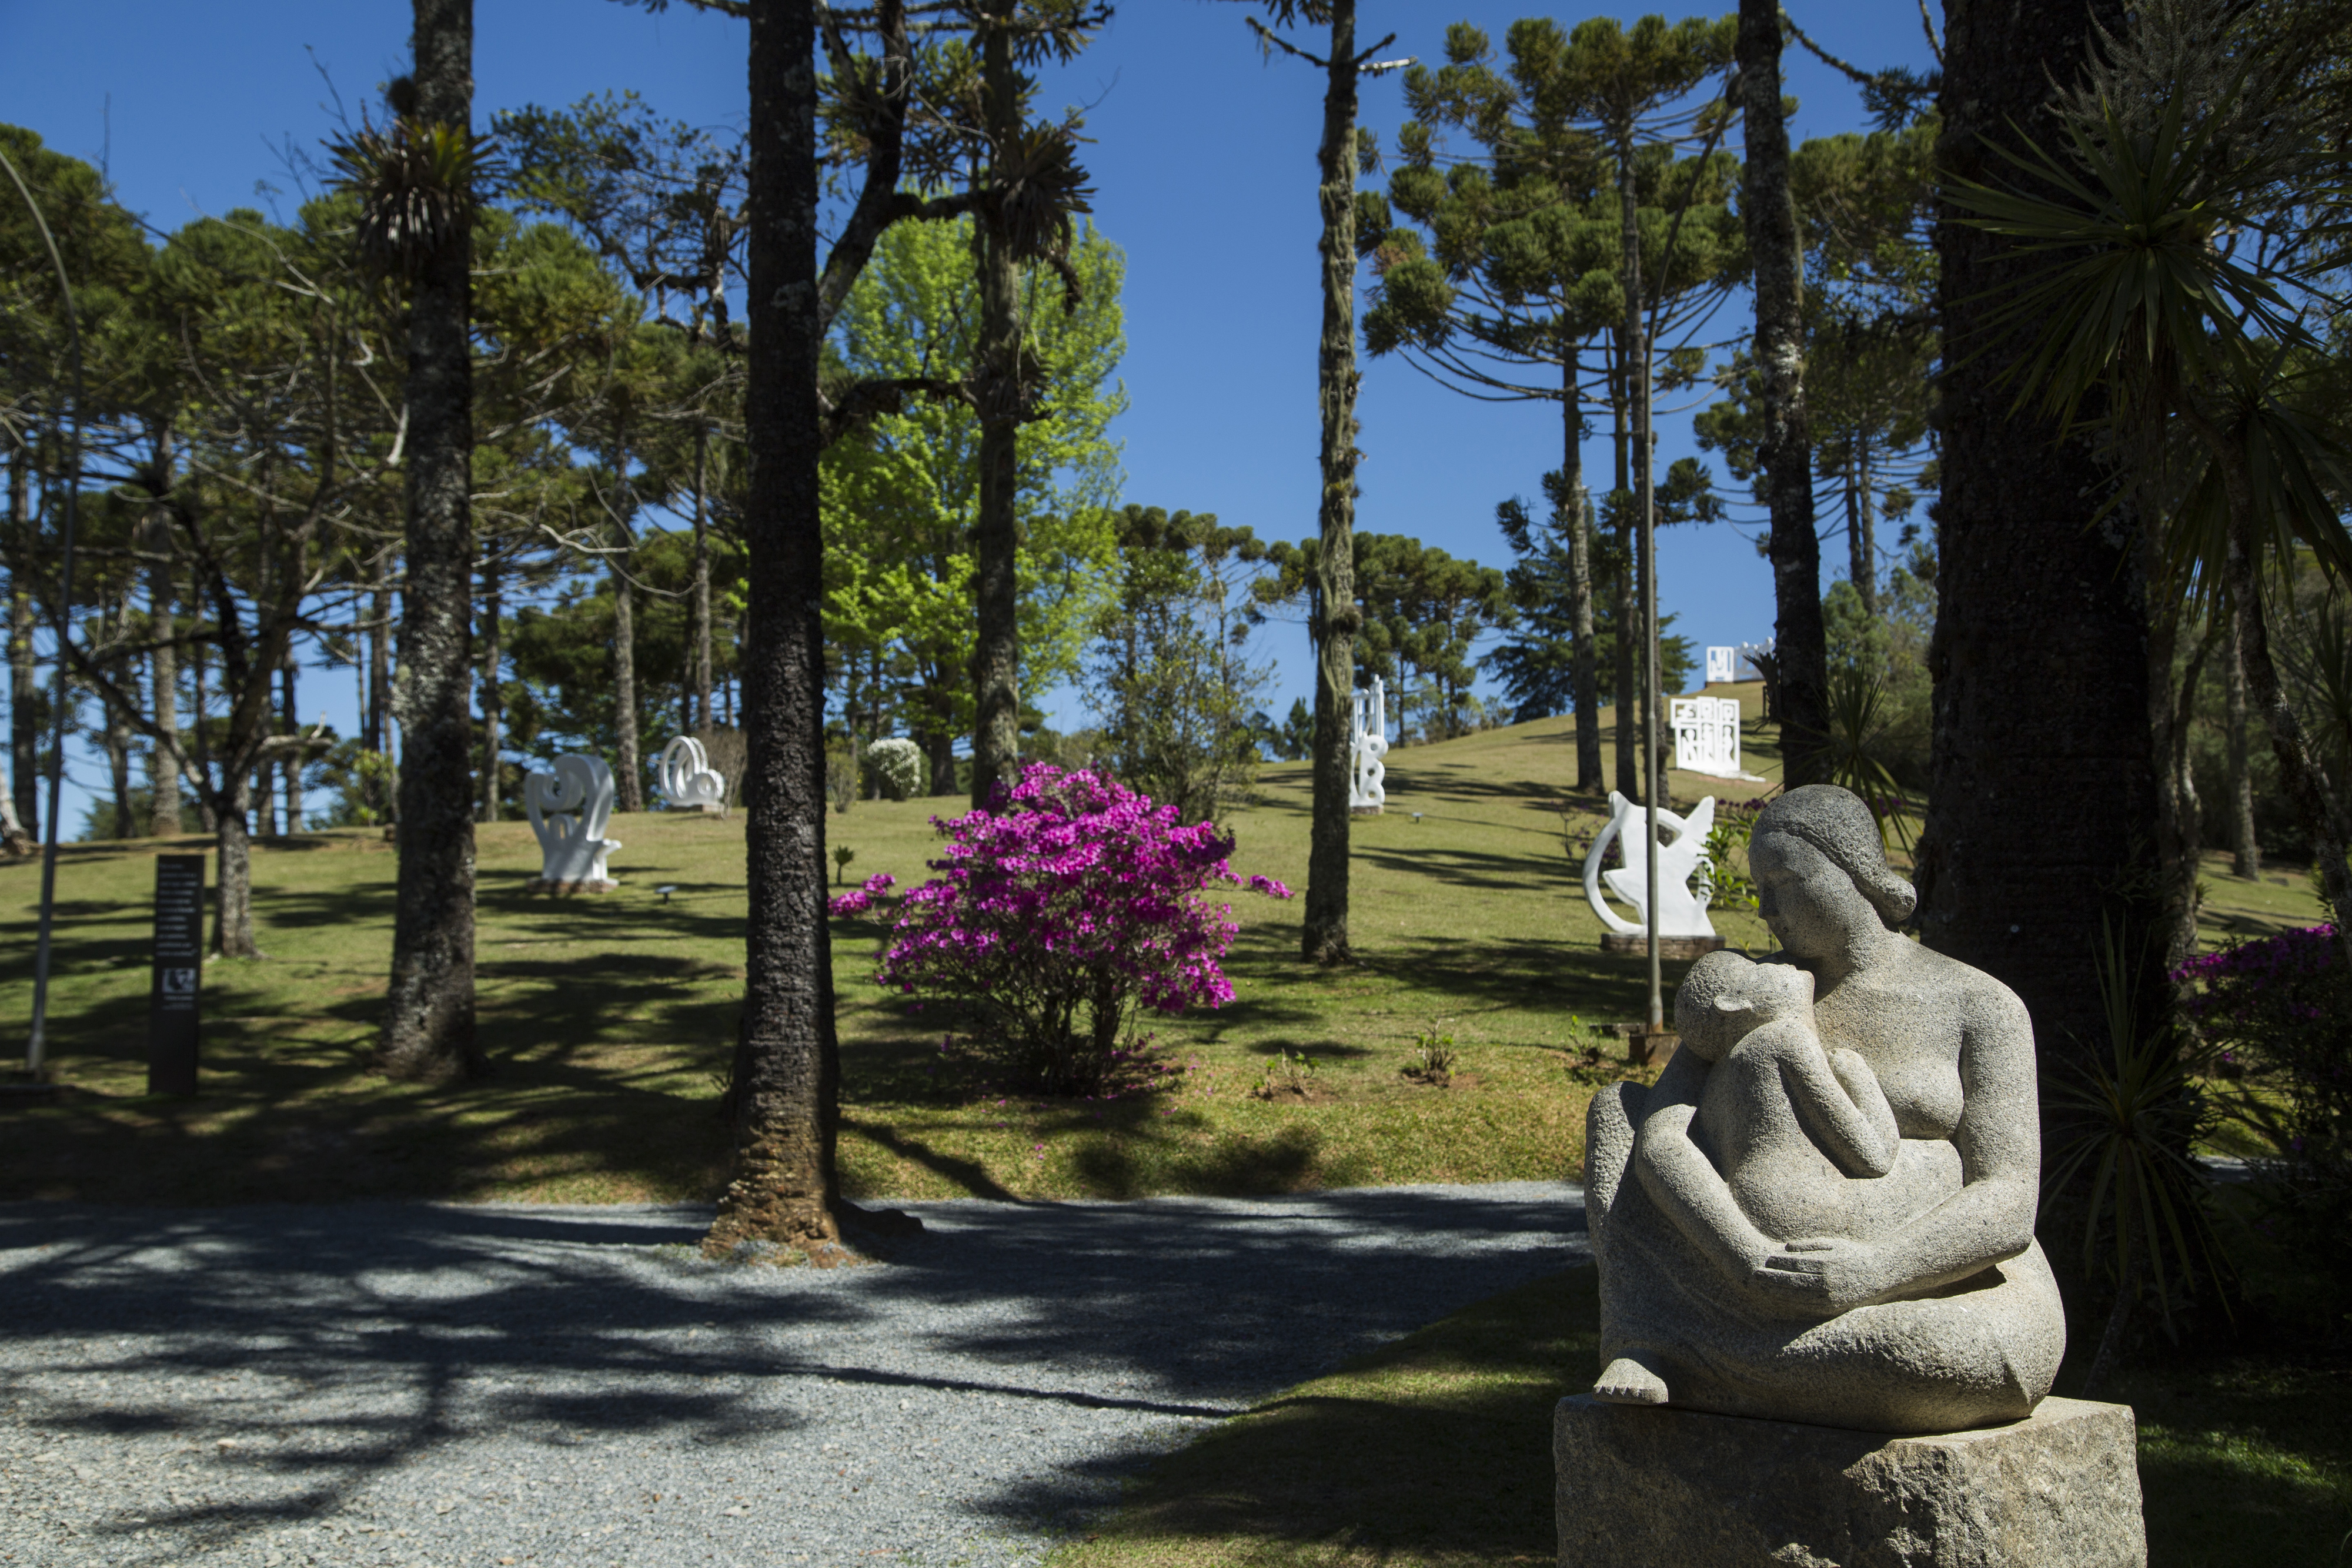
(1641, 1484)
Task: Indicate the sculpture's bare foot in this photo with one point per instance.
(1628, 1382)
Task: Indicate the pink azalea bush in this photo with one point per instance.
(857, 901)
(1060, 911)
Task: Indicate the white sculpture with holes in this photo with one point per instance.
(568, 805)
(686, 779)
(1682, 849)
(1707, 737)
(1722, 666)
(1366, 792)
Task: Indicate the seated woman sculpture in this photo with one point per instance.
(1922, 1304)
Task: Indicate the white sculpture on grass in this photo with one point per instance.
(1370, 743)
(1681, 912)
(1722, 665)
(568, 805)
(1706, 735)
(686, 779)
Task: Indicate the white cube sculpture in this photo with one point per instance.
(568, 807)
(686, 779)
(1706, 735)
(1722, 665)
(1682, 846)
(1367, 793)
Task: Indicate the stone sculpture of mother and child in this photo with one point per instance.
(1821, 1219)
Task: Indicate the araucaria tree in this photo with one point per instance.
(1324, 939)
(415, 184)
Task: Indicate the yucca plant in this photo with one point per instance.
(416, 185)
(2139, 1112)
(1854, 749)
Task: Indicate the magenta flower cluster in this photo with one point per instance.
(1061, 909)
(859, 900)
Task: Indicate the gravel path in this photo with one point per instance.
(443, 1385)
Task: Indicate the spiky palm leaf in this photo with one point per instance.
(416, 184)
(1854, 748)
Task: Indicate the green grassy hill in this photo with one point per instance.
(610, 1020)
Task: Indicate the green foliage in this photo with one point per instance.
(896, 765)
(364, 783)
(902, 495)
(1725, 882)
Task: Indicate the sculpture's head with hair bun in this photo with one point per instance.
(1836, 822)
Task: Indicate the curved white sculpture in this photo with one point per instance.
(1365, 790)
(686, 779)
(1681, 912)
(568, 808)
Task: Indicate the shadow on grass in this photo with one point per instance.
(1435, 1451)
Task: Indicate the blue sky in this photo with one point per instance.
(1203, 166)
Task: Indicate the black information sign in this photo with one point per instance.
(172, 1017)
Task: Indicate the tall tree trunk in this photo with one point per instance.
(291, 713)
(2245, 848)
(1583, 675)
(630, 760)
(428, 1025)
(1644, 457)
(1621, 581)
(24, 703)
(118, 769)
(493, 693)
(264, 802)
(233, 935)
(163, 667)
(1862, 530)
(2172, 708)
(200, 750)
(784, 1091)
(1324, 939)
(2041, 824)
(1784, 446)
(996, 535)
(702, 660)
(379, 705)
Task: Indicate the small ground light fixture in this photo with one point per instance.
(666, 889)
(1416, 816)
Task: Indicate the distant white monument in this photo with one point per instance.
(686, 779)
(1682, 846)
(1367, 793)
(568, 807)
(1706, 735)
(1722, 666)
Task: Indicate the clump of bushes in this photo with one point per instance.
(895, 764)
(1060, 913)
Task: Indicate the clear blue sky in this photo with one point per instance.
(1204, 170)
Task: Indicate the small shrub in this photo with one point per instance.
(2273, 1018)
(897, 764)
(857, 901)
(1059, 912)
(1433, 1056)
(840, 774)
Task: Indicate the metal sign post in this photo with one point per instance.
(173, 1017)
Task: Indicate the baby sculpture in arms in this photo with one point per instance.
(1823, 1210)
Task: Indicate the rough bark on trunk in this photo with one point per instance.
(2245, 848)
(1324, 939)
(996, 535)
(164, 668)
(493, 694)
(1620, 582)
(1637, 399)
(289, 714)
(118, 769)
(785, 1087)
(199, 741)
(24, 710)
(1583, 675)
(1784, 457)
(1860, 532)
(702, 660)
(233, 899)
(2042, 824)
(628, 757)
(2172, 708)
(379, 705)
(428, 1023)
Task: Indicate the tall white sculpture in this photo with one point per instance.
(1706, 735)
(1366, 791)
(686, 779)
(1682, 913)
(1722, 665)
(568, 808)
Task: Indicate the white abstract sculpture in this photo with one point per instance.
(1366, 791)
(578, 790)
(1706, 735)
(1722, 665)
(685, 778)
(1681, 912)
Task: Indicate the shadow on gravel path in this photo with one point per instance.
(580, 1383)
